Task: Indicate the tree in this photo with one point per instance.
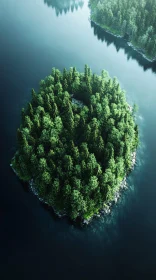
(84, 151)
(42, 164)
(46, 178)
(93, 183)
(68, 163)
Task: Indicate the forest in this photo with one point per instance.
(76, 140)
(134, 20)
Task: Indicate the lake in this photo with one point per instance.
(36, 35)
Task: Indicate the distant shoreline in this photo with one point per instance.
(135, 48)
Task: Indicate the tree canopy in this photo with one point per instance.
(135, 20)
(76, 141)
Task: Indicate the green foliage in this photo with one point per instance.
(136, 20)
(76, 153)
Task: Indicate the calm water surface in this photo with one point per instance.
(36, 35)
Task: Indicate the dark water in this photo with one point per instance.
(36, 35)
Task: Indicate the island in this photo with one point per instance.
(134, 20)
(77, 142)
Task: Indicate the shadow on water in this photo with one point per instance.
(120, 43)
(65, 6)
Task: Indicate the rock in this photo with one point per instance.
(86, 222)
(106, 210)
(77, 102)
(98, 215)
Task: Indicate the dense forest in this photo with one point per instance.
(76, 140)
(65, 6)
(135, 20)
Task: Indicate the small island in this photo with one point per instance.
(77, 142)
(134, 20)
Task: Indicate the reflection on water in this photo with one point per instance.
(65, 6)
(120, 43)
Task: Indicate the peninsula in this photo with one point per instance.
(133, 20)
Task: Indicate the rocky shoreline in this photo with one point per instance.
(123, 185)
(35, 192)
(137, 49)
(105, 210)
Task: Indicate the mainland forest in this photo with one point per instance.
(76, 141)
(121, 44)
(134, 20)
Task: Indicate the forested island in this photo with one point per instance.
(131, 19)
(76, 142)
